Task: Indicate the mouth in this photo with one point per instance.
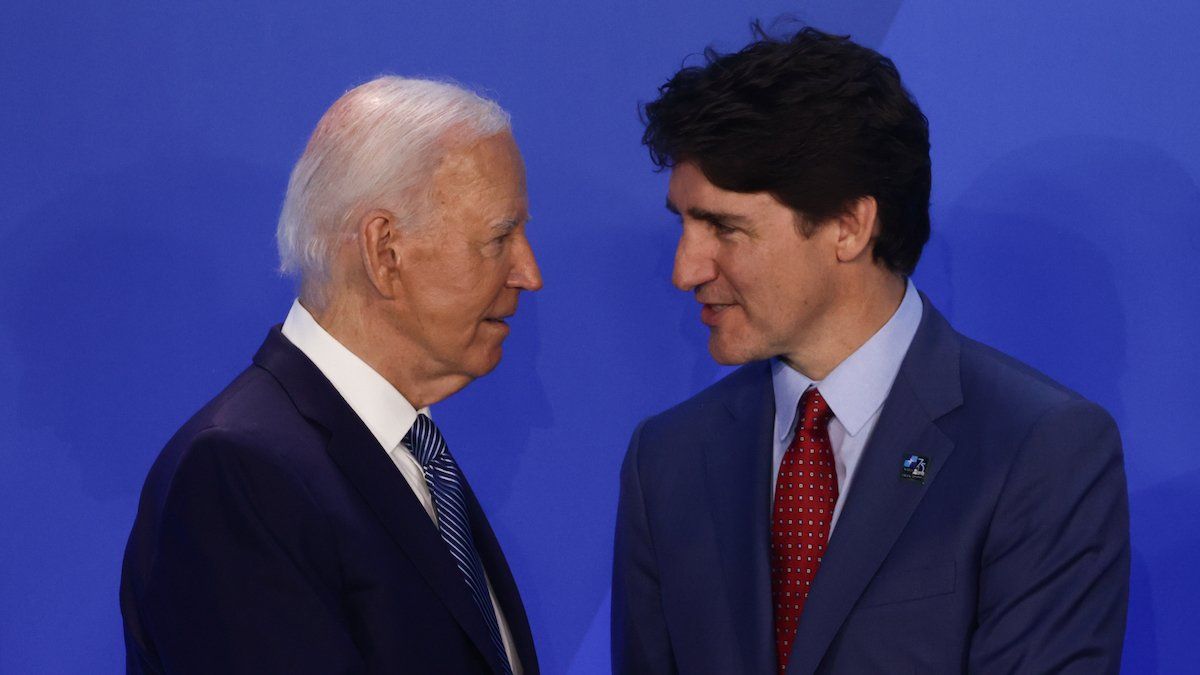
(710, 313)
(499, 320)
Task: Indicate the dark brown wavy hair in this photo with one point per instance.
(814, 119)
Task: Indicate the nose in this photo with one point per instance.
(525, 274)
(694, 265)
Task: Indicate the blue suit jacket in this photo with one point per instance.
(275, 536)
(1011, 556)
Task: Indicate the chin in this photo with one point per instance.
(728, 355)
(486, 362)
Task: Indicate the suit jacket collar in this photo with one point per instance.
(880, 502)
(359, 456)
(375, 401)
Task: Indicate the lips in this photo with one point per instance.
(710, 313)
(502, 319)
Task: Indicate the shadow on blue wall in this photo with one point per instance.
(495, 415)
(105, 274)
(118, 312)
(1162, 627)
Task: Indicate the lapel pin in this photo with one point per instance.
(914, 467)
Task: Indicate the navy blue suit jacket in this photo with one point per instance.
(274, 535)
(1011, 556)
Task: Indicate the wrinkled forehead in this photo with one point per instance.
(486, 177)
(493, 157)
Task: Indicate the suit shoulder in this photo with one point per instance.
(251, 423)
(987, 371)
(710, 399)
(253, 411)
(692, 417)
(1012, 400)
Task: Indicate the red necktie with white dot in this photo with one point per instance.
(806, 491)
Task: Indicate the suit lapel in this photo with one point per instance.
(368, 468)
(738, 471)
(880, 501)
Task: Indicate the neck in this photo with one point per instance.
(858, 312)
(364, 330)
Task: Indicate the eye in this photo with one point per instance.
(498, 244)
(504, 231)
(721, 228)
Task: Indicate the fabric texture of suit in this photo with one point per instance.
(1012, 555)
(275, 536)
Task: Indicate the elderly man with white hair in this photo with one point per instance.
(310, 518)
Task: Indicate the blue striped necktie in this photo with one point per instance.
(446, 485)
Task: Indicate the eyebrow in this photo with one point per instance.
(706, 215)
(507, 225)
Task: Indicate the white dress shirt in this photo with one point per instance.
(855, 391)
(384, 411)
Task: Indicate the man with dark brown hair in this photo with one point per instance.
(871, 492)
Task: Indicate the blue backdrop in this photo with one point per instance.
(144, 151)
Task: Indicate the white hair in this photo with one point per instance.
(377, 146)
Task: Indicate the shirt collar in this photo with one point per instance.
(380, 406)
(858, 386)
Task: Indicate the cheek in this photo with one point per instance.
(770, 290)
(455, 288)
(751, 284)
(482, 297)
(456, 292)
(478, 299)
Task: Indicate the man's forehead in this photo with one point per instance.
(490, 164)
(690, 192)
(481, 154)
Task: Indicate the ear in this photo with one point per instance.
(857, 226)
(379, 241)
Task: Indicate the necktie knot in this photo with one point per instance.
(814, 411)
(425, 441)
